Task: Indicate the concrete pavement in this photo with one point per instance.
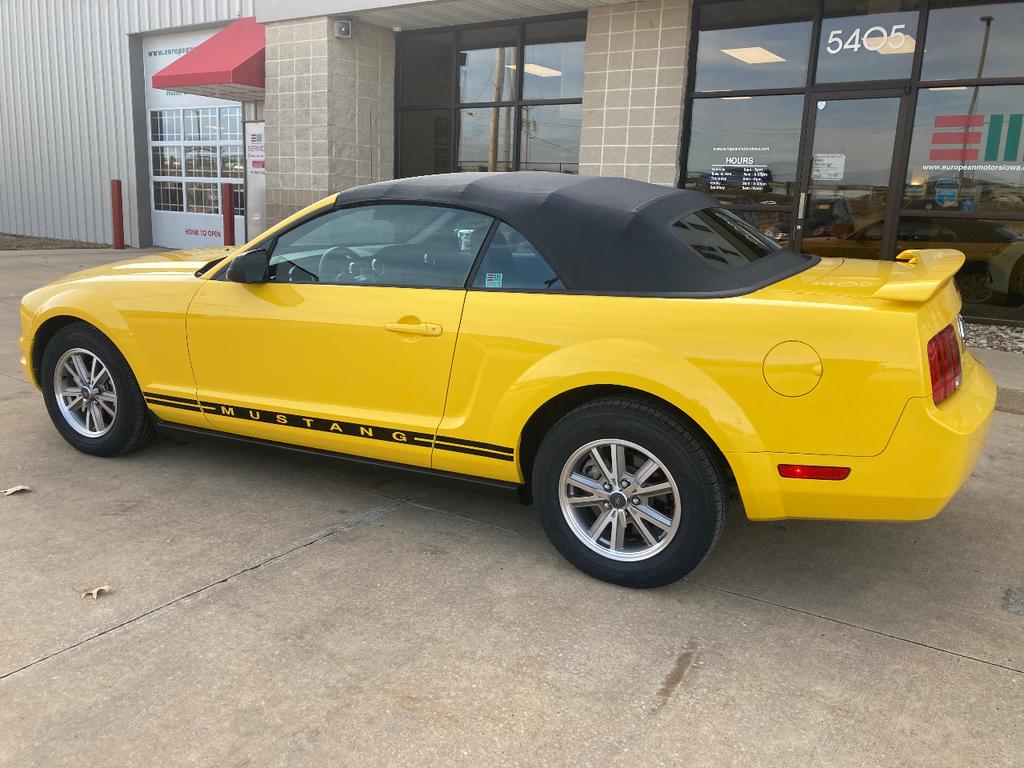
(275, 609)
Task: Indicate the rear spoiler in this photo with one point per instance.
(921, 274)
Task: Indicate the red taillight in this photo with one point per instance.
(813, 472)
(944, 363)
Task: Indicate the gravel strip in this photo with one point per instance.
(1007, 338)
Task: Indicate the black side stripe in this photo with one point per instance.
(475, 444)
(339, 426)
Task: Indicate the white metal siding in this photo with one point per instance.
(65, 108)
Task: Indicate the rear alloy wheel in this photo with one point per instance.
(620, 500)
(91, 394)
(629, 493)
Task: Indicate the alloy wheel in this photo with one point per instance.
(620, 500)
(85, 392)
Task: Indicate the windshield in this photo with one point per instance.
(723, 238)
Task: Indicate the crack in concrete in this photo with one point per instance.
(851, 625)
(322, 534)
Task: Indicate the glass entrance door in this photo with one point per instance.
(847, 200)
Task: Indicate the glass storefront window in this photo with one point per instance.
(201, 197)
(485, 139)
(550, 138)
(858, 42)
(487, 65)
(851, 164)
(553, 59)
(483, 122)
(200, 161)
(743, 150)
(770, 51)
(975, 38)
(967, 150)
(200, 124)
(167, 196)
(427, 70)
(232, 164)
(991, 282)
(167, 161)
(425, 142)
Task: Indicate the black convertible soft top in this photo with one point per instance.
(600, 234)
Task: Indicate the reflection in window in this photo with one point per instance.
(744, 150)
(232, 164)
(485, 139)
(427, 74)
(200, 161)
(722, 238)
(165, 125)
(550, 139)
(553, 59)
(200, 124)
(851, 165)
(866, 46)
(957, 46)
(425, 142)
(487, 65)
(201, 197)
(167, 196)
(498, 132)
(764, 56)
(993, 274)
(166, 161)
(967, 150)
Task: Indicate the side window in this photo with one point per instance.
(417, 246)
(512, 264)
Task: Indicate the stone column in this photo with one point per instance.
(634, 80)
(329, 111)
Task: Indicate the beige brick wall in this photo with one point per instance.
(329, 111)
(635, 74)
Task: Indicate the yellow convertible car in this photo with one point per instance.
(620, 352)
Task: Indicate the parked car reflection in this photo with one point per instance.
(993, 273)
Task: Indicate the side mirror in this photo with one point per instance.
(249, 267)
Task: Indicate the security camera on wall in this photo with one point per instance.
(343, 28)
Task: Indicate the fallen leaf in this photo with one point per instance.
(95, 591)
(15, 489)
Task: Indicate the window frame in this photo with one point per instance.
(454, 107)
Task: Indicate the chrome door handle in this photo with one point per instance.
(416, 329)
(802, 208)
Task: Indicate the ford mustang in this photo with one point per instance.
(620, 352)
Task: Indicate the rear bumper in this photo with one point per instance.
(930, 455)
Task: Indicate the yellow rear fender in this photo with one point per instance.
(679, 383)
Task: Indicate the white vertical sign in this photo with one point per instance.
(255, 180)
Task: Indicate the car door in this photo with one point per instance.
(348, 344)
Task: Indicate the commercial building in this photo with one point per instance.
(857, 128)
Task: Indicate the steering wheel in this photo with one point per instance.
(336, 262)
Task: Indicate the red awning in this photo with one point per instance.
(230, 65)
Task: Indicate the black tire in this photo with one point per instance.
(130, 427)
(682, 451)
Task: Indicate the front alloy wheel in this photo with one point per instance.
(91, 394)
(620, 500)
(85, 392)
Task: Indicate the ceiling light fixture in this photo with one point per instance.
(755, 55)
(886, 47)
(538, 70)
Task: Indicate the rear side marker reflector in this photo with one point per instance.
(813, 472)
